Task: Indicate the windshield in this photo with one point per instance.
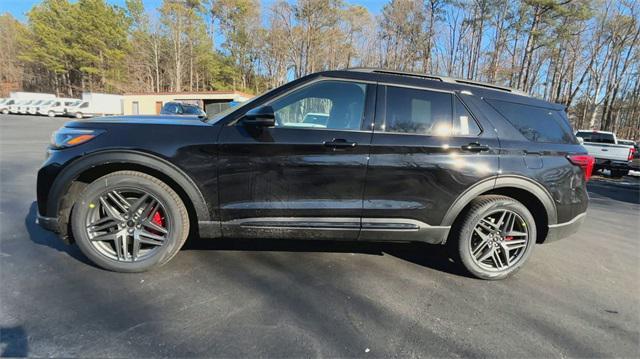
(47, 102)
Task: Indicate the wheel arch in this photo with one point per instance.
(71, 181)
(525, 190)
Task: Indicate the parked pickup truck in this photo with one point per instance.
(609, 153)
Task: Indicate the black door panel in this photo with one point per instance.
(418, 174)
(298, 178)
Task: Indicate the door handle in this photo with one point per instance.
(340, 143)
(527, 152)
(475, 147)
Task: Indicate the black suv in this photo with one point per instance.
(398, 157)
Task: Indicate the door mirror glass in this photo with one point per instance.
(262, 116)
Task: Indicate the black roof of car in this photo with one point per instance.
(482, 89)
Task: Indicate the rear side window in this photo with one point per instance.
(192, 110)
(430, 113)
(417, 111)
(537, 124)
(596, 137)
(463, 122)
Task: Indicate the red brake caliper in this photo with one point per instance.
(505, 238)
(157, 219)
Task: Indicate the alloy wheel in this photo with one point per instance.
(499, 240)
(127, 224)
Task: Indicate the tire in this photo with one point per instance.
(78, 115)
(619, 173)
(5, 111)
(90, 206)
(465, 241)
(51, 114)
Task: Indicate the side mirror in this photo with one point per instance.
(262, 116)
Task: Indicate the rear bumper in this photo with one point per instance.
(612, 164)
(563, 230)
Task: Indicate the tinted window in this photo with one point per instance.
(417, 111)
(463, 122)
(340, 105)
(171, 108)
(192, 110)
(596, 137)
(537, 124)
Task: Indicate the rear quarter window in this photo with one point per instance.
(537, 124)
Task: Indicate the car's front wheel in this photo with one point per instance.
(129, 221)
(51, 114)
(494, 237)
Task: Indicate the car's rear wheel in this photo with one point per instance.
(51, 114)
(494, 237)
(129, 221)
(79, 115)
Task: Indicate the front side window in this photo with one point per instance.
(419, 112)
(325, 105)
(84, 105)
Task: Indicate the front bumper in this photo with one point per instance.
(48, 223)
(563, 230)
(53, 224)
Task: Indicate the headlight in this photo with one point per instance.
(68, 137)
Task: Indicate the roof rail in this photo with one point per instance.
(491, 86)
(401, 73)
(441, 79)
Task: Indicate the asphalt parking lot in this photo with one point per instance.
(579, 297)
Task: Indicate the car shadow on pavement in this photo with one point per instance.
(624, 191)
(43, 237)
(426, 255)
(14, 342)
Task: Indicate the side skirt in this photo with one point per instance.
(332, 228)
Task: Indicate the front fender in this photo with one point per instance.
(72, 171)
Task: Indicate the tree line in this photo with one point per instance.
(581, 53)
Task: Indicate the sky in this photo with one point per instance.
(19, 8)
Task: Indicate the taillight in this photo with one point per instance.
(631, 153)
(585, 162)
